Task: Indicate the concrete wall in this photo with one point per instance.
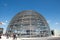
(57, 32)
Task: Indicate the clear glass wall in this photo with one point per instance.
(29, 24)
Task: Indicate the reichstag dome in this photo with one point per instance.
(28, 23)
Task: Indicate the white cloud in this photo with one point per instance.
(48, 21)
(3, 23)
(6, 21)
(57, 23)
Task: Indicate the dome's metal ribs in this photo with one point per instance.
(29, 24)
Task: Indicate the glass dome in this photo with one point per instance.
(29, 24)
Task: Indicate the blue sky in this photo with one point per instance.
(50, 9)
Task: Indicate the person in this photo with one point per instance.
(14, 37)
(0, 36)
(7, 36)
